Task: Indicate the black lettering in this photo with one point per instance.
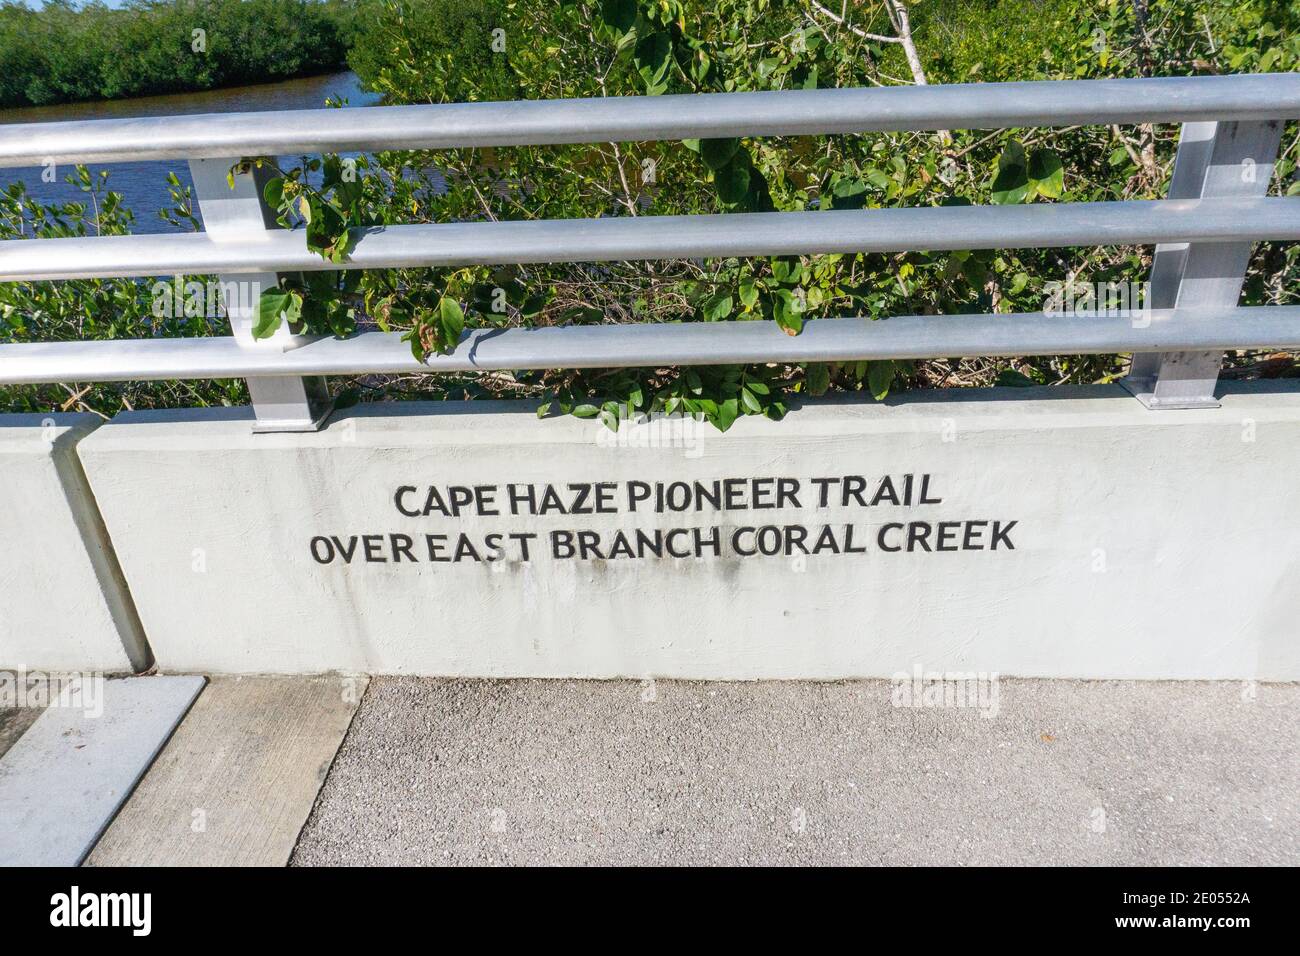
(637, 491)
(682, 501)
(735, 494)
(622, 547)
(315, 552)
(968, 542)
(1000, 534)
(605, 498)
(523, 537)
(787, 493)
(947, 531)
(795, 536)
(464, 547)
(345, 553)
(460, 497)
(485, 497)
(848, 542)
(550, 502)
(854, 485)
(562, 544)
(644, 543)
(668, 541)
(589, 541)
(401, 545)
(435, 542)
(886, 486)
(712, 495)
(826, 541)
(824, 490)
(372, 543)
(397, 501)
(433, 502)
(517, 498)
(925, 492)
(880, 537)
(580, 506)
(712, 541)
(918, 532)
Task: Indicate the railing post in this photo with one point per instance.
(280, 403)
(1214, 160)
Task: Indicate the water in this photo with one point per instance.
(144, 185)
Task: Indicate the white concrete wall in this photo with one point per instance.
(1146, 544)
(63, 603)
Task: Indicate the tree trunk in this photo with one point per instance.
(902, 24)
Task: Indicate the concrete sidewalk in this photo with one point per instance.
(538, 772)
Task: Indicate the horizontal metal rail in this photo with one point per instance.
(644, 118)
(1203, 233)
(700, 343)
(666, 237)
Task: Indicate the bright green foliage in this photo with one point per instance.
(60, 53)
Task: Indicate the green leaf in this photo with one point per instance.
(849, 193)
(1011, 184)
(619, 14)
(732, 182)
(417, 345)
(748, 292)
(788, 311)
(1047, 174)
(533, 305)
(717, 307)
(452, 319)
(880, 376)
(270, 307)
(273, 192)
(653, 57)
(585, 411)
(1014, 379)
(788, 271)
(818, 378)
(726, 414)
(717, 153)
(327, 231)
(750, 401)
(790, 322)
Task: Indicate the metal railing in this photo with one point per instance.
(1203, 233)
